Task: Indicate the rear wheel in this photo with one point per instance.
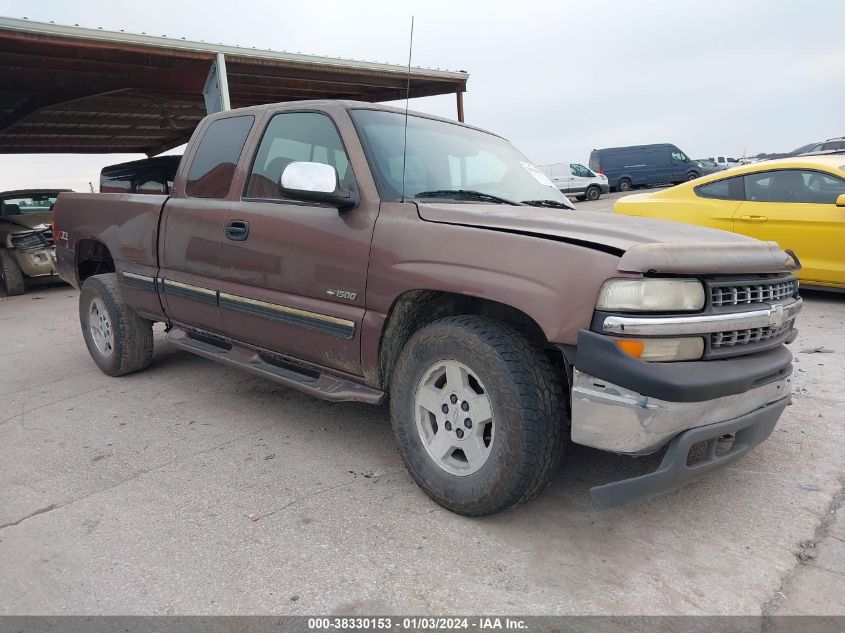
(11, 274)
(119, 341)
(623, 185)
(478, 413)
(593, 193)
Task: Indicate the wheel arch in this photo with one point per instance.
(91, 257)
(414, 309)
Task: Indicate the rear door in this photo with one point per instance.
(295, 283)
(797, 209)
(193, 225)
(559, 174)
(659, 166)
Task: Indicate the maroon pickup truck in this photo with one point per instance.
(327, 246)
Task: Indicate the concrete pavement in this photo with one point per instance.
(193, 488)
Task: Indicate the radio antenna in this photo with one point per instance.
(407, 98)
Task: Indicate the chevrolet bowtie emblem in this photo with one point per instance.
(776, 316)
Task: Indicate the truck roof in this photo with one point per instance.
(344, 103)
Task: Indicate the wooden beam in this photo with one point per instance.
(188, 77)
(43, 100)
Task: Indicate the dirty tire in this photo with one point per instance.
(691, 176)
(131, 336)
(526, 398)
(11, 274)
(623, 185)
(593, 193)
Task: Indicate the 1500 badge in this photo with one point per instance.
(342, 294)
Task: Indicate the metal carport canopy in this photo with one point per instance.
(68, 89)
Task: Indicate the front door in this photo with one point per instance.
(797, 209)
(295, 282)
(680, 166)
(580, 178)
(192, 226)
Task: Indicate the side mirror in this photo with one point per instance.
(315, 182)
(840, 201)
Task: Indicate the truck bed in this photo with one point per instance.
(127, 224)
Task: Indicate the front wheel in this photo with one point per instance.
(478, 413)
(691, 176)
(119, 341)
(10, 274)
(593, 193)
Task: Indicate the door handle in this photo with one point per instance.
(753, 218)
(237, 230)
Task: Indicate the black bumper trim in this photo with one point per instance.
(751, 429)
(691, 381)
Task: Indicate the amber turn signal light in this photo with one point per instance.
(632, 347)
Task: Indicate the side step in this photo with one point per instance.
(313, 382)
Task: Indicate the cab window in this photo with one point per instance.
(793, 185)
(213, 166)
(679, 157)
(116, 186)
(292, 137)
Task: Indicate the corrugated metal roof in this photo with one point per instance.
(73, 89)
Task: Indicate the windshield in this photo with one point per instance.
(448, 161)
(36, 203)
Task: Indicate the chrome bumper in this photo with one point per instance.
(613, 418)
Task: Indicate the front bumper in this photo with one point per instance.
(36, 262)
(624, 405)
(675, 471)
(605, 187)
(612, 418)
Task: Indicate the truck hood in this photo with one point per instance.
(28, 220)
(643, 244)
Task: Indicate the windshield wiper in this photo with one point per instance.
(554, 204)
(466, 194)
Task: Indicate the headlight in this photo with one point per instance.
(662, 349)
(642, 295)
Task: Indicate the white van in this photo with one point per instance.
(723, 162)
(575, 180)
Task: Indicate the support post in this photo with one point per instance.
(460, 96)
(216, 91)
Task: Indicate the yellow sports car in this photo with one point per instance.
(797, 202)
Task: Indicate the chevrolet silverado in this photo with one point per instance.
(358, 252)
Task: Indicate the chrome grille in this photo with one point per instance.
(735, 294)
(32, 241)
(744, 337)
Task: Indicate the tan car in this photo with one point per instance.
(26, 237)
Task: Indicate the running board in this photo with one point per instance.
(313, 382)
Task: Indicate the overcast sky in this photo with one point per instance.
(557, 78)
